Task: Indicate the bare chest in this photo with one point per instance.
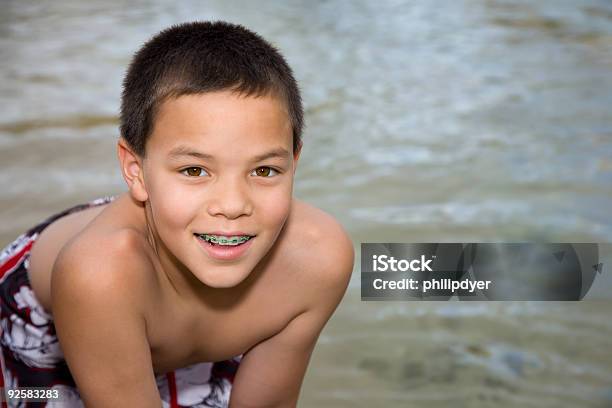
(180, 335)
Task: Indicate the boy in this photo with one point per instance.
(207, 257)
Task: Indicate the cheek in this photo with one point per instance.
(169, 206)
(274, 208)
(173, 210)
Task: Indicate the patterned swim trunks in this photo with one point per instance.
(31, 355)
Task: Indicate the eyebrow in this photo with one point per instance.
(181, 151)
(277, 152)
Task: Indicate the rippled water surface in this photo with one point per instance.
(426, 121)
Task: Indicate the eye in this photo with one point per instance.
(264, 171)
(194, 172)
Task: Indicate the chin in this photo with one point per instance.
(223, 277)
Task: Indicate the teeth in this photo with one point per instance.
(223, 240)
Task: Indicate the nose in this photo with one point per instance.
(230, 199)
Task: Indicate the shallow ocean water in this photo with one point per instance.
(474, 120)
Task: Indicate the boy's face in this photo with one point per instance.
(219, 166)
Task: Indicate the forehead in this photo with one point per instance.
(221, 123)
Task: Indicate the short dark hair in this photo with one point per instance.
(199, 57)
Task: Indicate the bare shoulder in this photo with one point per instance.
(323, 250)
(320, 234)
(110, 264)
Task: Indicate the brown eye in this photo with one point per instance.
(194, 172)
(264, 171)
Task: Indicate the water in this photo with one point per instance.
(426, 121)
(473, 354)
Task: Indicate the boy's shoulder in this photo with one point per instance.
(318, 229)
(112, 261)
(321, 251)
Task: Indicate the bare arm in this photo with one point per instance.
(271, 373)
(102, 332)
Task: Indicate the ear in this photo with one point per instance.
(131, 169)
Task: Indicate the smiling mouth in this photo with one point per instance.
(222, 240)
